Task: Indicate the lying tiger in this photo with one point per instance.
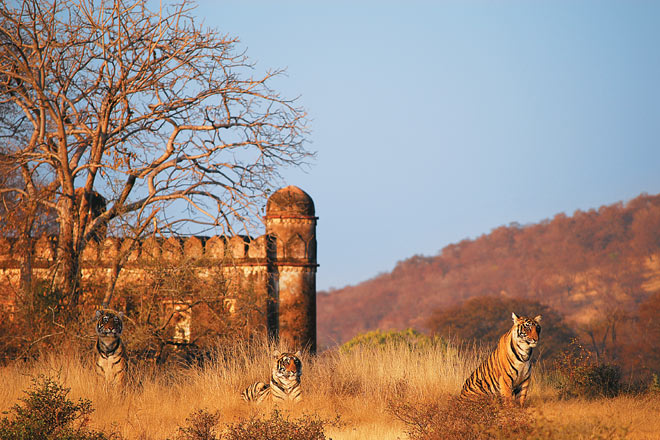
(111, 362)
(284, 381)
(508, 370)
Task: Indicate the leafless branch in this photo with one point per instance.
(145, 107)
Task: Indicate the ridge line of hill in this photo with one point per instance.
(583, 266)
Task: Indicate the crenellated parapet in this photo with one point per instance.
(281, 264)
(216, 249)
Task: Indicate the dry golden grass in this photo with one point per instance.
(356, 385)
(637, 416)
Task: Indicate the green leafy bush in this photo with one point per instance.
(383, 339)
(577, 374)
(48, 414)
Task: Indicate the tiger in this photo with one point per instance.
(507, 371)
(284, 381)
(111, 362)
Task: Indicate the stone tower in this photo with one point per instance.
(291, 228)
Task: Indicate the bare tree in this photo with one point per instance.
(145, 107)
(21, 220)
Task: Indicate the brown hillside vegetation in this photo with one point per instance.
(593, 267)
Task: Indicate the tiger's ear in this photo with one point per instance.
(538, 319)
(276, 353)
(514, 317)
(298, 354)
(98, 314)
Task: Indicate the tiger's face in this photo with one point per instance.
(527, 330)
(109, 323)
(287, 365)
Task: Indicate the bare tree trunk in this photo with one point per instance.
(26, 255)
(594, 344)
(603, 344)
(25, 267)
(68, 266)
(110, 288)
(615, 354)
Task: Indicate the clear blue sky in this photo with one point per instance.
(439, 121)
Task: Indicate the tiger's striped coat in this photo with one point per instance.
(507, 371)
(284, 381)
(111, 360)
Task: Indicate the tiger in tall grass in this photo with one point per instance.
(284, 381)
(507, 371)
(111, 361)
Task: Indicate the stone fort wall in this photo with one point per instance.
(279, 266)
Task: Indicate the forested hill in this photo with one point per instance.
(584, 266)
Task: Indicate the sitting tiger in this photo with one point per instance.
(284, 381)
(111, 362)
(507, 371)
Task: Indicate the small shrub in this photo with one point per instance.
(477, 419)
(200, 426)
(578, 375)
(380, 339)
(47, 414)
(489, 419)
(654, 387)
(278, 427)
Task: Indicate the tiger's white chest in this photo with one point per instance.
(524, 369)
(286, 389)
(112, 367)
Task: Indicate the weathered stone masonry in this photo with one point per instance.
(280, 266)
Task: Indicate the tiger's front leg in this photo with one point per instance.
(521, 391)
(506, 390)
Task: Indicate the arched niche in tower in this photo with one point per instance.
(311, 247)
(296, 248)
(276, 247)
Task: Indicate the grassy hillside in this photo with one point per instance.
(587, 266)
